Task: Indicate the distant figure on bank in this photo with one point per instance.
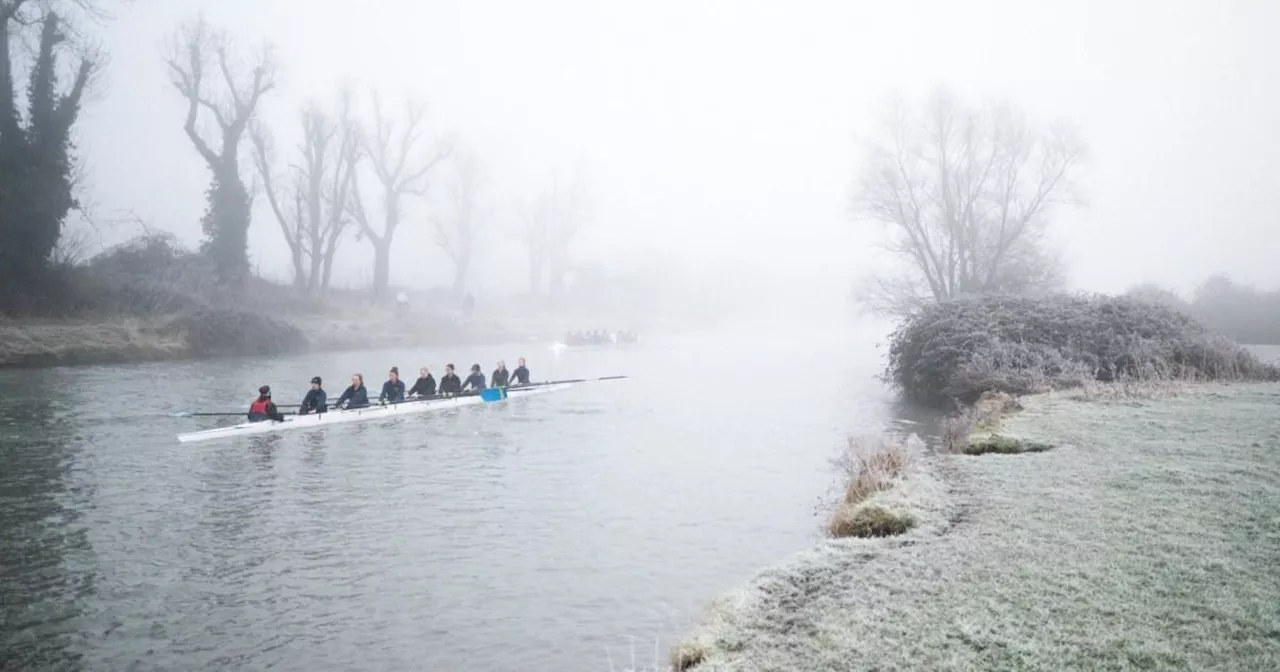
(475, 381)
(316, 400)
(521, 375)
(501, 376)
(354, 396)
(449, 382)
(263, 408)
(393, 389)
(425, 385)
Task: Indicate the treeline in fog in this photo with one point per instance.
(361, 171)
(1246, 314)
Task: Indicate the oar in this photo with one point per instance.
(565, 382)
(189, 414)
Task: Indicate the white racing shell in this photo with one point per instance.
(375, 412)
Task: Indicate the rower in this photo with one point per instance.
(354, 396)
(521, 375)
(501, 376)
(449, 382)
(475, 381)
(316, 400)
(425, 385)
(263, 408)
(393, 389)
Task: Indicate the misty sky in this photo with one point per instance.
(726, 133)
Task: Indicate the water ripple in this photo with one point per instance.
(537, 534)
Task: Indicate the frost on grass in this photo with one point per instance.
(1148, 539)
(881, 474)
(1003, 445)
(956, 431)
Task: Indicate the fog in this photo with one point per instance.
(727, 134)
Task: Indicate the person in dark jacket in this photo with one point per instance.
(449, 382)
(354, 396)
(263, 408)
(425, 385)
(316, 400)
(475, 381)
(501, 376)
(393, 389)
(521, 375)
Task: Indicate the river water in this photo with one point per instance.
(557, 532)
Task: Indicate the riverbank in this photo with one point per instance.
(44, 343)
(1146, 538)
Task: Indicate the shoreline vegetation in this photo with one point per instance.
(1103, 494)
(151, 300)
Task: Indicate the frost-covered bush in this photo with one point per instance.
(228, 331)
(956, 350)
(148, 275)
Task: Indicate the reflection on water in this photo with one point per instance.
(44, 545)
(534, 534)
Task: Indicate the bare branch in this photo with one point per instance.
(186, 67)
(397, 173)
(261, 156)
(966, 195)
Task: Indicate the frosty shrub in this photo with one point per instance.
(954, 430)
(870, 464)
(228, 331)
(1003, 445)
(958, 349)
(869, 521)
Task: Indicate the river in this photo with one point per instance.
(553, 532)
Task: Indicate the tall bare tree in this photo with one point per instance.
(38, 166)
(457, 230)
(230, 104)
(549, 224)
(570, 215)
(311, 204)
(967, 195)
(535, 221)
(400, 164)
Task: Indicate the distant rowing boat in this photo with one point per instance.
(375, 412)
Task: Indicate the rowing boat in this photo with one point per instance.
(318, 420)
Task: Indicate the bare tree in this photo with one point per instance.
(39, 170)
(967, 196)
(231, 105)
(571, 215)
(535, 222)
(400, 166)
(456, 232)
(311, 206)
(549, 225)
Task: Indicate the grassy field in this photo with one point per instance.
(1147, 538)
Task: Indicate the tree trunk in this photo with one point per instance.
(317, 267)
(299, 268)
(535, 276)
(460, 268)
(328, 267)
(555, 283)
(381, 266)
